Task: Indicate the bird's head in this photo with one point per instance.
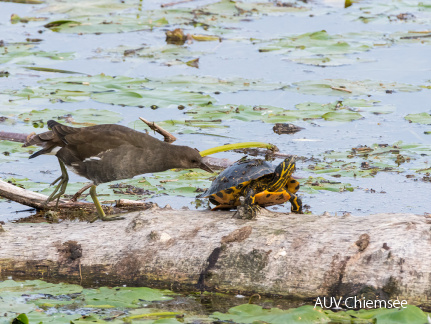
(191, 159)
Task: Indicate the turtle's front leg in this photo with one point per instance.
(248, 208)
(296, 204)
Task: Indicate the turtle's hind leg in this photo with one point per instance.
(248, 208)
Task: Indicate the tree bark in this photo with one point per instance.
(301, 256)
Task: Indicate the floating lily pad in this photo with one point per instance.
(367, 161)
(412, 37)
(420, 118)
(168, 54)
(346, 88)
(111, 24)
(393, 12)
(114, 17)
(341, 111)
(80, 117)
(127, 297)
(125, 91)
(321, 48)
(38, 287)
(121, 90)
(147, 98)
(315, 184)
(43, 69)
(10, 151)
(16, 52)
(249, 313)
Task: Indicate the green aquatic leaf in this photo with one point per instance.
(21, 319)
(38, 287)
(125, 91)
(249, 313)
(341, 116)
(315, 184)
(11, 151)
(402, 11)
(80, 117)
(113, 17)
(407, 314)
(367, 161)
(17, 52)
(148, 98)
(167, 54)
(341, 111)
(411, 37)
(123, 297)
(43, 69)
(346, 88)
(420, 118)
(323, 49)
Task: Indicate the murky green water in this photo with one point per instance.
(43, 302)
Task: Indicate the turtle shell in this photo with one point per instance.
(238, 175)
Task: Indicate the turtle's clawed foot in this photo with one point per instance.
(296, 204)
(246, 210)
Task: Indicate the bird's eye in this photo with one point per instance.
(194, 161)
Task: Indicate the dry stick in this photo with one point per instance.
(170, 4)
(14, 137)
(168, 136)
(341, 89)
(37, 200)
(81, 191)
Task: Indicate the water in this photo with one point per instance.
(403, 63)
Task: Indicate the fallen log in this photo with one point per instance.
(300, 256)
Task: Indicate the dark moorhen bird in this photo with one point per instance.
(104, 153)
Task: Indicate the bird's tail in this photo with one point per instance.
(49, 140)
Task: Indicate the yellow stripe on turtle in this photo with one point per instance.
(286, 172)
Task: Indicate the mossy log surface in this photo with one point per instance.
(301, 256)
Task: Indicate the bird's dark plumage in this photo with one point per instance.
(104, 153)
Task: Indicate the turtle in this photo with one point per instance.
(253, 183)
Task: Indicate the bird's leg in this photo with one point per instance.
(248, 208)
(80, 192)
(100, 211)
(61, 187)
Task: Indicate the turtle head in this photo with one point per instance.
(190, 158)
(283, 172)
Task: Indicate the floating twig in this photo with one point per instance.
(168, 136)
(341, 89)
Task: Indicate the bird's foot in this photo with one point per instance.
(60, 189)
(106, 218)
